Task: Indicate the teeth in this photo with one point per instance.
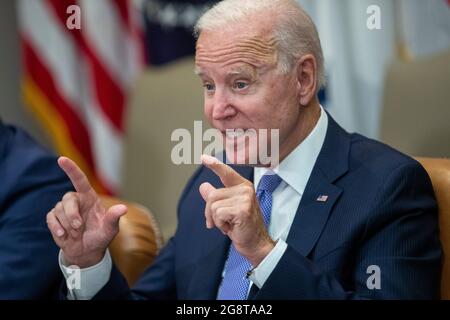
(235, 133)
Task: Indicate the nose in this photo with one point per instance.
(222, 106)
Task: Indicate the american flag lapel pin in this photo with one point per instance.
(322, 198)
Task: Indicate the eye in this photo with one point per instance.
(240, 85)
(208, 87)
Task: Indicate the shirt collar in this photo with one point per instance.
(296, 168)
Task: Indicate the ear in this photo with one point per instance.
(306, 78)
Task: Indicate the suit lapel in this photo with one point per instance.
(215, 246)
(320, 194)
(312, 214)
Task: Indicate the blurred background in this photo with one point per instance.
(106, 82)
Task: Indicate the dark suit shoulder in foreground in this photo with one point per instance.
(31, 184)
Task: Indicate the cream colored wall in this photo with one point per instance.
(164, 99)
(416, 115)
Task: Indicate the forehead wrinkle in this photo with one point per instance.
(247, 47)
(254, 65)
(265, 47)
(256, 47)
(252, 52)
(245, 58)
(233, 54)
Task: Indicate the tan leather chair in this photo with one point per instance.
(138, 241)
(439, 172)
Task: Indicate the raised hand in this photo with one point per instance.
(79, 224)
(235, 211)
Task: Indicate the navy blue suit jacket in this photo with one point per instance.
(31, 183)
(380, 211)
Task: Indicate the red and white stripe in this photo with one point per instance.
(86, 73)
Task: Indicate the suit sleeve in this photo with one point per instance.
(157, 282)
(401, 239)
(28, 255)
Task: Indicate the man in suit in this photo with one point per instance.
(31, 182)
(341, 216)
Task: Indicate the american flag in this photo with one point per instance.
(77, 81)
(322, 198)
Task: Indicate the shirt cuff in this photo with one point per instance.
(84, 284)
(261, 273)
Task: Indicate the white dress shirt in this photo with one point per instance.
(294, 171)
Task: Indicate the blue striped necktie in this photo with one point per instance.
(235, 284)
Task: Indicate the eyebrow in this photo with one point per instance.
(242, 71)
(198, 71)
(252, 73)
(238, 71)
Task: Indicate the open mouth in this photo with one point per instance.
(234, 133)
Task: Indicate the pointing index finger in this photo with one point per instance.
(78, 178)
(227, 175)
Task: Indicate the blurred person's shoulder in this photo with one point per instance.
(24, 163)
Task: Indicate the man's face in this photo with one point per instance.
(242, 86)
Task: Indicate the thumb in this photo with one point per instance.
(205, 190)
(112, 218)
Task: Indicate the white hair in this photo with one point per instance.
(295, 33)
